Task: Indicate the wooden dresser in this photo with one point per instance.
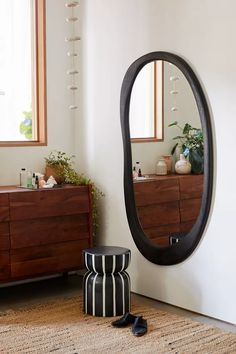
(167, 205)
(43, 231)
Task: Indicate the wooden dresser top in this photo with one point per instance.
(14, 189)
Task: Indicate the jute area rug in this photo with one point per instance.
(61, 327)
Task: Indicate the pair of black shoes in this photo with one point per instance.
(139, 324)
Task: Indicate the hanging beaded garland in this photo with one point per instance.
(173, 92)
(72, 72)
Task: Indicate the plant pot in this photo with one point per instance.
(196, 158)
(56, 172)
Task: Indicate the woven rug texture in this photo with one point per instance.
(62, 327)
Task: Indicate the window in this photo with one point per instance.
(146, 104)
(22, 73)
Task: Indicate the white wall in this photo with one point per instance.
(115, 33)
(60, 120)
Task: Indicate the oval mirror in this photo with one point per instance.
(168, 156)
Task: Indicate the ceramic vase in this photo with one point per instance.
(183, 167)
(168, 161)
(161, 167)
(56, 172)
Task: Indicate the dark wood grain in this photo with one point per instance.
(4, 236)
(159, 214)
(49, 259)
(50, 230)
(191, 186)
(56, 202)
(4, 200)
(156, 192)
(186, 226)
(161, 234)
(4, 265)
(4, 207)
(158, 218)
(189, 209)
(46, 232)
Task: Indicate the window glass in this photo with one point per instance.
(20, 82)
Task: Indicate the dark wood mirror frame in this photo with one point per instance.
(177, 252)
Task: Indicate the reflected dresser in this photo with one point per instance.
(168, 205)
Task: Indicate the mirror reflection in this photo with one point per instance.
(167, 153)
(147, 101)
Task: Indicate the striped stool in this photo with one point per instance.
(106, 285)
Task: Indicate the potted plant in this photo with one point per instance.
(56, 163)
(60, 166)
(192, 144)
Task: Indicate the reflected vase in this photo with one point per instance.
(183, 167)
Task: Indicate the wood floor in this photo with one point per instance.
(17, 296)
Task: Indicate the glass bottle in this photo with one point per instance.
(29, 180)
(23, 178)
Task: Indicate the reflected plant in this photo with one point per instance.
(26, 125)
(192, 143)
(191, 139)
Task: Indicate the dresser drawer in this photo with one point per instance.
(160, 214)
(45, 203)
(42, 231)
(156, 192)
(35, 261)
(4, 236)
(189, 209)
(4, 207)
(191, 186)
(4, 265)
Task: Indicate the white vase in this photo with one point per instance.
(161, 167)
(183, 167)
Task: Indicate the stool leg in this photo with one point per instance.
(106, 294)
(87, 305)
(122, 293)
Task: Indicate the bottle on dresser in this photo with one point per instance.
(29, 179)
(23, 178)
(138, 168)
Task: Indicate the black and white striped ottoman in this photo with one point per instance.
(106, 285)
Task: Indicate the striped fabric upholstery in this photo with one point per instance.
(106, 285)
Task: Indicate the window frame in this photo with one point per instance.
(39, 100)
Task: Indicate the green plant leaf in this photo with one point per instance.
(178, 137)
(187, 128)
(172, 124)
(174, 148)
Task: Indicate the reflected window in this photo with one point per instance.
(146, 105)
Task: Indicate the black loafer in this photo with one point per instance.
(139, 327)
(125, 320)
